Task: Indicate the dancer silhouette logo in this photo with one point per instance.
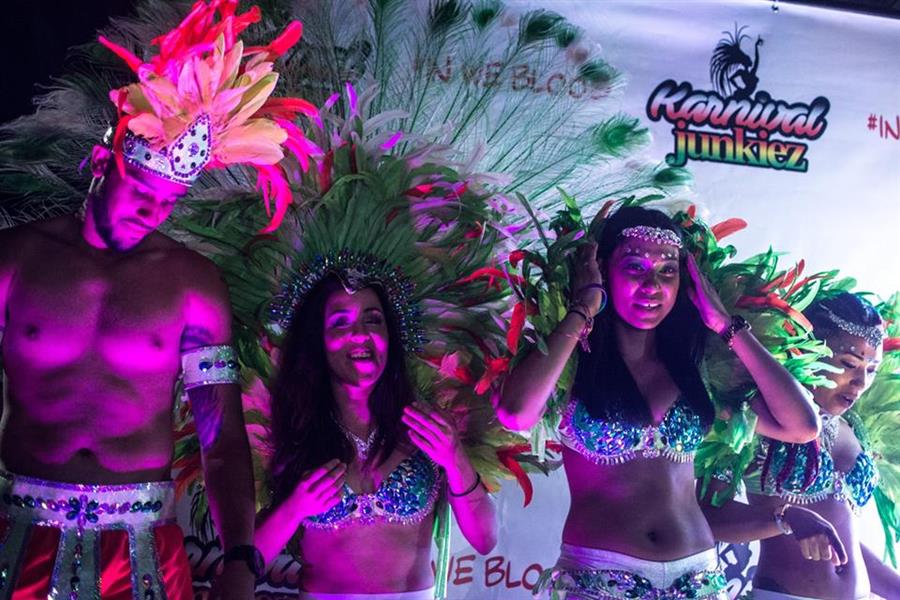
(737, 123)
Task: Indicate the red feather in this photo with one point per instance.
(130, 59)
(727, 227)
(516, 323)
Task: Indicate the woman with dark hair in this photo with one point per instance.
(638, 410)
(359, 463)
(811, 548)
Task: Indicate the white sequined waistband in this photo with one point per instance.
(71, 505)
(660, 573)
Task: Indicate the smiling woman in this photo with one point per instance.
(638, 411)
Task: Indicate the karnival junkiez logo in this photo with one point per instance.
(737, 124)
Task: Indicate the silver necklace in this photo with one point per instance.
(830, 425)
(363, 446)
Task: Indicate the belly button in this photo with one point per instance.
(31, 332)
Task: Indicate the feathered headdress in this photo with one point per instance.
(204, 102)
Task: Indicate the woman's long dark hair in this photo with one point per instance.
(603, 382)
(305, 433)
(850, 307)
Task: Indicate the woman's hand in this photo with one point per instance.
(320, 489)
(587, 279)
(706, 299)
(433, 432)
(817, 537)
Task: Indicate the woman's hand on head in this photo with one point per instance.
(587, 279)
(706, 299)
(817, 537)
(433, 432)
(320, 489)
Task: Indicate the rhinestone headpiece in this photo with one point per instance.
(355, 270)
(181, 161)
(657, 235)
(873, 334)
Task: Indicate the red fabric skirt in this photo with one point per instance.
(39, 557)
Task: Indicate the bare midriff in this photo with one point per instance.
(645, 508)
(783, 568)
(374, 558)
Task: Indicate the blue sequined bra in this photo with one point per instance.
(788, 473)
(614, 441)
(406, 495)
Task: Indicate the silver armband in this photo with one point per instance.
(210, 365)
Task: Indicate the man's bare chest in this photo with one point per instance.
(71, 309)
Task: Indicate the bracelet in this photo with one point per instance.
(210, 365)
(468, 491)
(582, 311)
(779, 520)
(592, 286)
(737, 324)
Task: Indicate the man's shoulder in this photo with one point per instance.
(192, 267)
(18, 239)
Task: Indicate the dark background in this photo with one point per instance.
(34, 40)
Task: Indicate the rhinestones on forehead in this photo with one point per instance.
(873, 334)
(664, 255)
(656, 235)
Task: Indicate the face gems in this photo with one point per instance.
(873, 334)
(664, 255)
(657, 235)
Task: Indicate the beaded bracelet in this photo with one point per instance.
(737, 323)
(582, 311)
(592, 286)
(468, 491)
(779, 520)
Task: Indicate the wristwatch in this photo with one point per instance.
(250, 555)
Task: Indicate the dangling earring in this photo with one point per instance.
(93, 189)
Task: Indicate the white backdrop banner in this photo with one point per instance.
(789, 119)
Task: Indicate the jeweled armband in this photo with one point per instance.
(210, 365)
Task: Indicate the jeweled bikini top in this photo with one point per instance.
(855, 486)
(614, 441)
(406, 495)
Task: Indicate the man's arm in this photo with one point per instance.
(219, 420)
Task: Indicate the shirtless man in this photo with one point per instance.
(95, 317)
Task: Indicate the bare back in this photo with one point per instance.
(91, 351)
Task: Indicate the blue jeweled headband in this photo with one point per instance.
(356, 270)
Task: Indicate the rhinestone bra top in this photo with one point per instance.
(855, 486)
(406, 495)
(614, 441)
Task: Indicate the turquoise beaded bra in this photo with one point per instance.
(406, 495)
(790, 476)
(614, 441)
